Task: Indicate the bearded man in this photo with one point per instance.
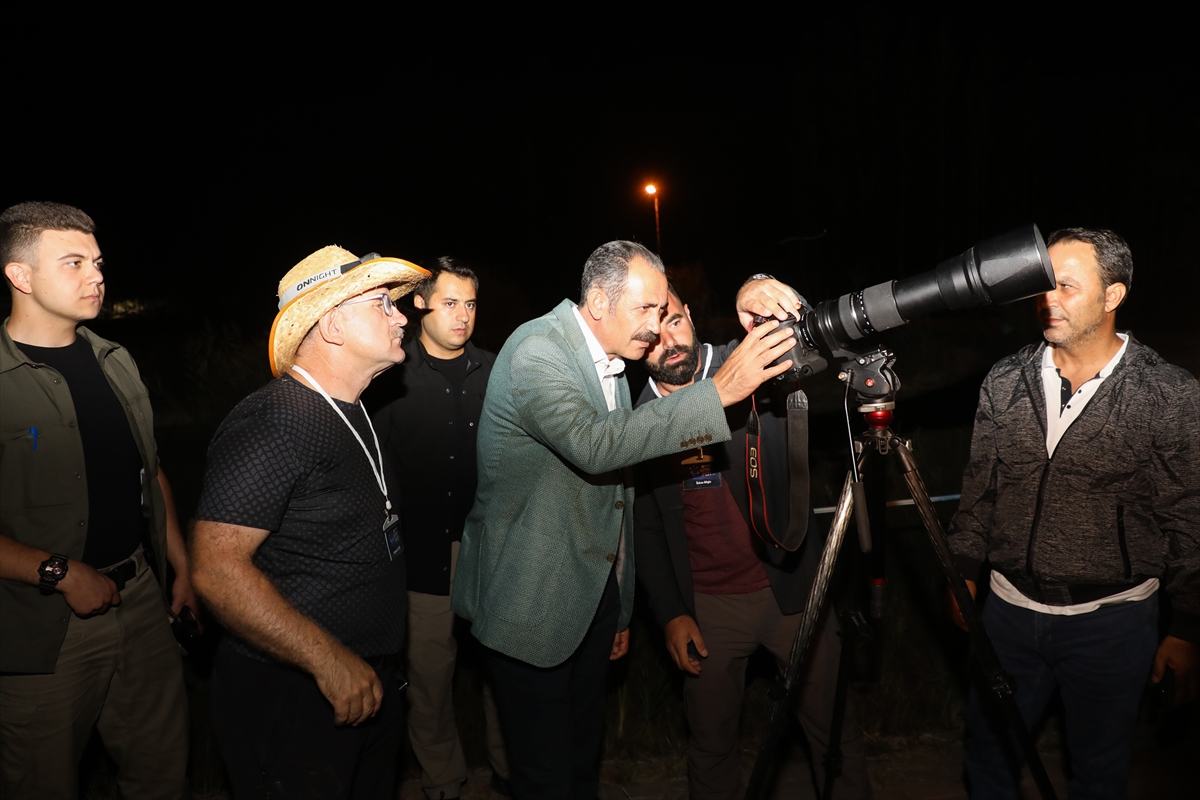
(714, 587)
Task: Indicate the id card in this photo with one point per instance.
(392, 539)
(698, 473)
(710, 481)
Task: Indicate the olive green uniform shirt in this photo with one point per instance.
(43, 491)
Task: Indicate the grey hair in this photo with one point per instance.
(607, 268)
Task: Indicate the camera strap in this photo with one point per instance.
(767, 528)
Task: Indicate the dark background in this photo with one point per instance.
(833, 148)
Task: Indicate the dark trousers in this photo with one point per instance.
(278, 739)
(1100, 661)
(733, 627)
(553, 718)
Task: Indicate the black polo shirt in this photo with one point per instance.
(284, 461)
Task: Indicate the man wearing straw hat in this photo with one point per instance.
(545, 568)
(298, 549)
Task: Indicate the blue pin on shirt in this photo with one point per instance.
(34, 433)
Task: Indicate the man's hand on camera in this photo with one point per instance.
(952, 605)
(766, 297)
(749, 365)
(679, 633)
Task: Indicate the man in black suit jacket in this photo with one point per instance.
(713, 585)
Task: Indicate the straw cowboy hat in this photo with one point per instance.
(320, 282)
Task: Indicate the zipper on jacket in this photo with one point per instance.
(1121, 541)
(1037, 518)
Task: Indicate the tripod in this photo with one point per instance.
(875, 384)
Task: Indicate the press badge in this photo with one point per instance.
(391, 536)
(699, 473)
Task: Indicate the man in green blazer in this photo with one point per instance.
(545, 570)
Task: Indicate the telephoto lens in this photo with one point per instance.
(1005, 268)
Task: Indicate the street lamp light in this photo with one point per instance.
(652, 190)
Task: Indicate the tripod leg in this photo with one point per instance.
(782, 692)
(998, 684)
(848, 622)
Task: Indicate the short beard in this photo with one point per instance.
(677, 374)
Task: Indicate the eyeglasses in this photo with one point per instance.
(385, 300)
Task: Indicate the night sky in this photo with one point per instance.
(835, 149)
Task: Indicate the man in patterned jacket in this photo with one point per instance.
(1083, 494)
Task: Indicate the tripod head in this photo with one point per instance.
(870, 376)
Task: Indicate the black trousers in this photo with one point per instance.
(278, 740)
(553, 718)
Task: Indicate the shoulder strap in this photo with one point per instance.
(797, 478)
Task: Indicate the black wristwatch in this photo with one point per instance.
(51, 571)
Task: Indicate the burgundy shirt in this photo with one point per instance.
(720, 544)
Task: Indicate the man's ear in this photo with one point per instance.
(418, 301)
(597, 303)
(18, 275)
(687, 312)
(1114, 295)
(329, 327)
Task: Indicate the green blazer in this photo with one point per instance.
(555, 489)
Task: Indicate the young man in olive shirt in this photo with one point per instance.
(83, 621)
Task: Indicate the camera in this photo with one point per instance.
(1005, 268)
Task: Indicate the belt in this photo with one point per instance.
(1066, 594)
(125, 571)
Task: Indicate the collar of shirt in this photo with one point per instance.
(1105, 371)
(607, 369)
(1057, 423)
(703, 373)
(604, 365)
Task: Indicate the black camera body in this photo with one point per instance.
(806, 359)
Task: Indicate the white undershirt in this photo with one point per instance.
(607, 369)
(1058, 419)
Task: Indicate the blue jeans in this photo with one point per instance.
(1100, 662)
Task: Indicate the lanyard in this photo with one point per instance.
(378, 472)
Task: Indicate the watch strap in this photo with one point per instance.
(50, 572)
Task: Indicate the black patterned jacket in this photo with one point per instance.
(1117, 504)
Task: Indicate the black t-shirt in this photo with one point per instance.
(283, 461)
(111, 459)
